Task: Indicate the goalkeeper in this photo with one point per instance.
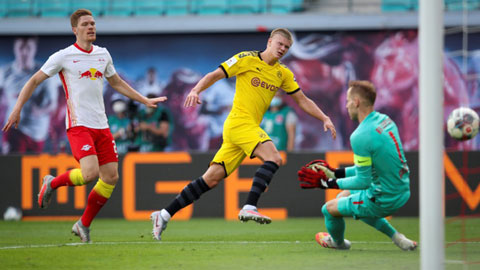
(376, 186)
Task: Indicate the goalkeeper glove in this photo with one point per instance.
(315, 179)
(320, 164)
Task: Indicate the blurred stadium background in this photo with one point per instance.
(164, 47)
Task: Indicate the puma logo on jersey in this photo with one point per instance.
(86, 147)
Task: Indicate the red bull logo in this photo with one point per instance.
(92, 74)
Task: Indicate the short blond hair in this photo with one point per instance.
(365, 89)
(282, 31)
(77, 14)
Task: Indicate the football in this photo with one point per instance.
(12, 214)
(462, 124)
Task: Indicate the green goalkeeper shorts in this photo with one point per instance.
(358, 205)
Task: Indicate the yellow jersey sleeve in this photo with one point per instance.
(236, 64)
(289, 84)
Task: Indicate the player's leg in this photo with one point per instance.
(381, 224)
(89, 168)
(342, 206)
(359, 205)
(272, 160)
(335, 226)
(190, 193)
(81, 143)
(105, 165)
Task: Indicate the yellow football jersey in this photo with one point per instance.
(257, 83)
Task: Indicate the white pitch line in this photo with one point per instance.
(197, 242)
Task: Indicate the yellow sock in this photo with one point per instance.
(103, 189)
(76, 177)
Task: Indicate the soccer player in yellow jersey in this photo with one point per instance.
(259, 76)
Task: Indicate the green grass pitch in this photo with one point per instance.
(219, 244)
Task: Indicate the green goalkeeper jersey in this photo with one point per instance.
(380, 164)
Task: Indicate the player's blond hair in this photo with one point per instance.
(364, 89)
(282, 31)
(77, 14)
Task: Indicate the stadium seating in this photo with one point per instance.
(20, 8)
(409, 5)
(399, 5)
(61, 8)
(285, 6)
(3, 8)
(210, 7)
(457, 5)
(176, 7)
(148, 8)
(95, 6)
(246, 6)
(53, 8)
(119, 8)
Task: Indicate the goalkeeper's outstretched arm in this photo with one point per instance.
(345, 172)
(318, 173)
(332, 172)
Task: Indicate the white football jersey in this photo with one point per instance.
(82, 73)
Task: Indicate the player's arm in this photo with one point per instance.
(363, 177)
(208, 80)
(319, 174)
(125, 89)
(307, 105)
(23, 97)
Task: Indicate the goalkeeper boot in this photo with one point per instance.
(159, 225)
(46, 192)
(326, 241)
(246, 215)
(81, 231)
(403, 242)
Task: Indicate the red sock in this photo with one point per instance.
(62, 180)
(94, 204)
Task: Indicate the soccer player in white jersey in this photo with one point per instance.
(82, 68)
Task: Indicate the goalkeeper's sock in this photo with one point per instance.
(261, 180)
(99, 195)
(190, 193)
(380, 224)
(69, 178)
(335, 226)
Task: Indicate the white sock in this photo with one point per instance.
(249, 207)
(165, 215)
(397, 237)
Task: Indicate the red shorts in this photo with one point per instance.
(88, 141)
